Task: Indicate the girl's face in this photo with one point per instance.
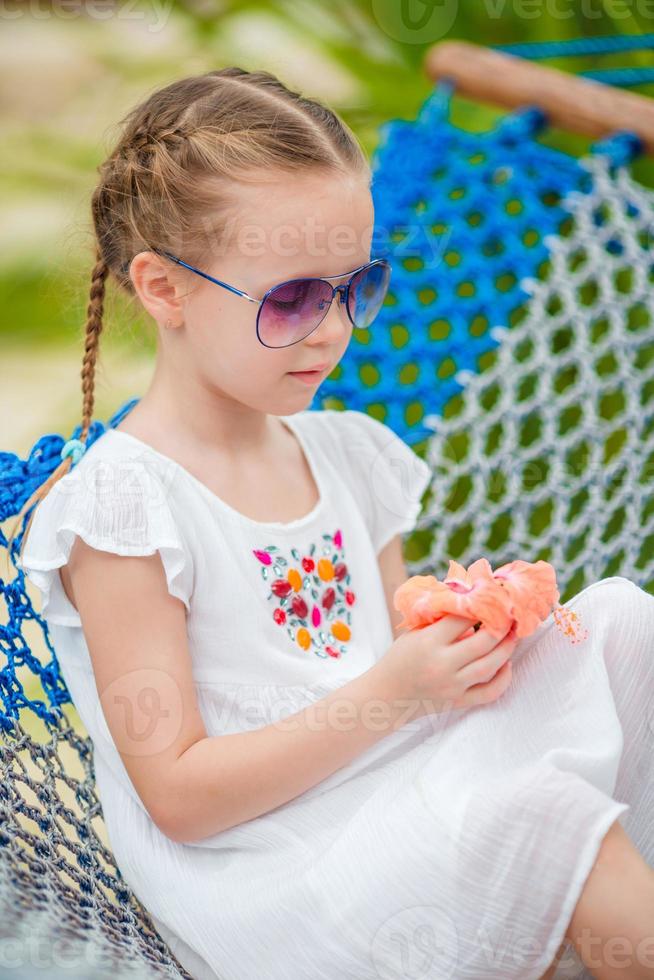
(308, 226)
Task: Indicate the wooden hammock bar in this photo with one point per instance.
(573, 103)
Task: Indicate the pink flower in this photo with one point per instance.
(519, 593)
(533, 591)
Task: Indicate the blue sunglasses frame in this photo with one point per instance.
(342, 288)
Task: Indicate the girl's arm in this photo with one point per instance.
(223, 780)
(394, 573)
(194, 785)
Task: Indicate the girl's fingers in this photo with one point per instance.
(485, 693)
(447, 629)
(474, 646)
(481, 670)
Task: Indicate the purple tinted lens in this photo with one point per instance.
(367, 291)
(293, 310)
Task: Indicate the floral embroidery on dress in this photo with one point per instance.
(312, 594)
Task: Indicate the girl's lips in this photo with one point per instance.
(307, 377)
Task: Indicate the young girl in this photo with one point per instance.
(289, 790)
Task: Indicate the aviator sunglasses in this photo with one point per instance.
(292, 310)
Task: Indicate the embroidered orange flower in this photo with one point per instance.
(520, 594)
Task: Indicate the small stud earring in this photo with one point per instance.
(168, 324)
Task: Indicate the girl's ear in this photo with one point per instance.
(158, 286)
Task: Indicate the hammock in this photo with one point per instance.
(515, 352)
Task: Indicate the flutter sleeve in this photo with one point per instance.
(121, 506)
(388, 477)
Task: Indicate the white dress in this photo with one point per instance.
(457, 846)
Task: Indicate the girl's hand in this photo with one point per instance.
(438, 671)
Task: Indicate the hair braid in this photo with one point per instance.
(92, 338)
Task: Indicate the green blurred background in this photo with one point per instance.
(68, 74)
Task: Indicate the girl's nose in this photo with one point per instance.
(331, 326)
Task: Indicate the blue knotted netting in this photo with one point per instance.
(19, 478)
(463, 218)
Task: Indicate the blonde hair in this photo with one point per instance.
(164, 176)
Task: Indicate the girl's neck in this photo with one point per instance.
(200, 421)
